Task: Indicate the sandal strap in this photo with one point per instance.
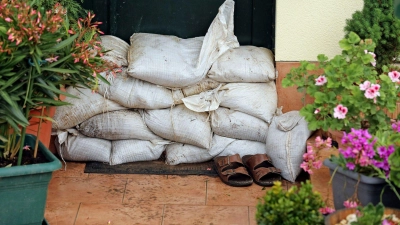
(228, 160)
(239, 170)
(256, 160)
(263, 171)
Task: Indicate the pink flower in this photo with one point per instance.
(350, 204)
(8, 19)
(52, 59)
(321, 80)
(364, 86)
(340, 112)
(372, 92)
(317, 164)
(27, 147)
(326, 210)
(394, 76)
(373, 63)
(317, 111)
(385, 222)
(305, 167)
(94, 73)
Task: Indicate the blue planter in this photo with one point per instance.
(23, 189)
(369, 188)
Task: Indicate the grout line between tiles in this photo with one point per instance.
(248, 215)
(76, 216)
(206, 192)
(163, 214)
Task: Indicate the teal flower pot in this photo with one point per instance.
(369, 188)
(23, 189)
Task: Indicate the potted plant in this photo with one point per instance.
(40, 53)
(295, 206)
(368, 215)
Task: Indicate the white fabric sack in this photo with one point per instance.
(134, 93)
(223, 146)
(125, 151)
(286, 143)
(244, 64)
(180, 124)
(256, 99)
(178, 153)
(238, 125)
(87, 104)
(73, 146)
(203, 102)
(174, 62)
(117, 125)
(118, 50)
(204, 85)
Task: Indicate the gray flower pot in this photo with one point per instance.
(369, 188)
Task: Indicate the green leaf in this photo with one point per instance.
(59, 61)
(59, 70)
(322, 58)
(64, 43)
(320, 97)
(8, 99)
(55, 90)
(345, 45)
(14, 79)
(50, 102)
(353, 38)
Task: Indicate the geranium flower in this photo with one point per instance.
(317, 111)
(321, 80)
(364, 86)
(350, 166)
(372, 92)
(394, 76)
(350, 204)
(373, 63)
(326, 210)
(340, 111)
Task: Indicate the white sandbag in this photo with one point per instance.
(204, 102)
(178, 153)
(117, 50)
(224, 146)
(204, 85)
(238, 125)
(125, 151)
(174, 62)
(286, 143)
(73, 146)
(87, 104)
(117, 125)
(256, 99)
(134, 93)
(180, 124)
(248, 64)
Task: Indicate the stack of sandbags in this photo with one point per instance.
(241, 108)
(144, 110)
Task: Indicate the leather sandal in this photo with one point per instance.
(261, 168)
(232, 171)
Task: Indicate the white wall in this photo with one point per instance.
(306, 28)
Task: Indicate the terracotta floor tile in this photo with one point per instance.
(153, 189)
(252, 215)
(73, 169)
(120, 176)
(219, 193)
(119, 214)
(93, 190)
(198, 215)
(61, 213)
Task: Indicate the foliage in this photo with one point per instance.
(377, 21)
(347, 94)
(372, 215)
(74, 9)
(296, 206)
(39, 55)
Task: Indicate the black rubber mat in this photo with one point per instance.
(152, 167)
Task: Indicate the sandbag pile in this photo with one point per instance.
(193, 99)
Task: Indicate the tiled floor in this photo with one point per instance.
(78, 198)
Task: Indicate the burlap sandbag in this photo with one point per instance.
(174, 62)
(238, 125)
(286, 143)
(117, 50)
(181, 125)
(228, 146)
(125, 151)
(246, 64)
(73, 146)
(87, 104)
(117, 125)
(134, 93)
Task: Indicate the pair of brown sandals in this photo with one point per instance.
(233, 170)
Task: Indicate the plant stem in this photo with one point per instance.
(38, 132)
